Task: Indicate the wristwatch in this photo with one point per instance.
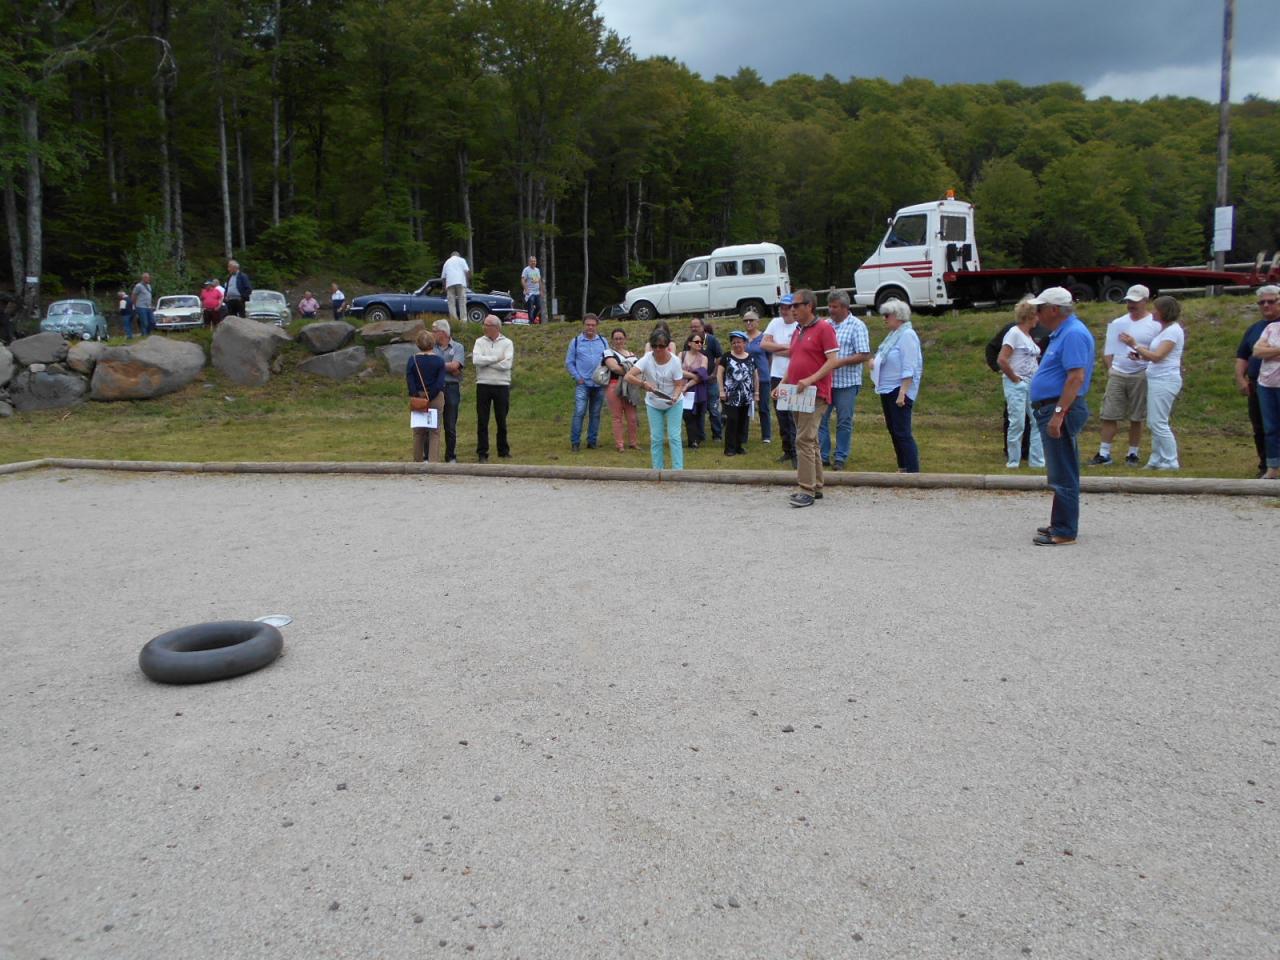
(1057, 409)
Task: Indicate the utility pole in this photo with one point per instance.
(1224, 118)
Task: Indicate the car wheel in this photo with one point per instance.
(210, 651)
(756, 305)
(476, 312)
(891, 293)
(643, 311)
(377, 314)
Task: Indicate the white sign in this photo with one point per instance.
(1224, 219)
(33, 280)
(799, 401)
(424, 419)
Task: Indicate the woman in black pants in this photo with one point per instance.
(896, 370)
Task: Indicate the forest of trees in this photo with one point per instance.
(372, 137)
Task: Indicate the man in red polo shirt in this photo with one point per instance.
(814, 353)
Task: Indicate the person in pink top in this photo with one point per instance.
(308, 306)
(1267, 349)
(211, 304)
(814, 352)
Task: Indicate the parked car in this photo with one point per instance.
(268, 306)
(75, 318)
(727, 280)
(429, 298)
(614, 311)
(180, 312)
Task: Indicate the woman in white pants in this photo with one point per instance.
(1164, 379)
(1019, 359)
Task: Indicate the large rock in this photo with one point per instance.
(337, 365)
(150, 368)
(84, 354)
(392, 331)
(328, 336)
(6, 365)
(396, 356)
(47, 390)
(40, 348)
(243, 349)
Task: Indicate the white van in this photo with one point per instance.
(731, 279)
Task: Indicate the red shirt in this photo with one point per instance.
(809, 348)
(210, 298)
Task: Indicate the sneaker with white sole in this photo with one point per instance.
(801, 500)
(1131, 460)
(1099, 460)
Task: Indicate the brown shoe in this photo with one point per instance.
(1049, 540)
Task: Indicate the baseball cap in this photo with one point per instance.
(1053, 296)
(737, 335)
(787, 299)
(1137, 292)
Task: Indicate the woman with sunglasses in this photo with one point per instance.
(618, 360)
(659, 374)
(696, 372)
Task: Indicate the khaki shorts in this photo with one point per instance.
(1126, 397)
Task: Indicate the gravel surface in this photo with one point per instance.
(566, 720)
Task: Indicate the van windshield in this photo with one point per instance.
(693, 270)
(908, 231)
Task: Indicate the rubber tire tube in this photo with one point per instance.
(210, 651)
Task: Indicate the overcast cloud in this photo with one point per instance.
(1118, 48)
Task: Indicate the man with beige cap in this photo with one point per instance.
(454, 356)
(1126, 395)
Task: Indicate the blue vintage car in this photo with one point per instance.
(75, 318)
(429, 298)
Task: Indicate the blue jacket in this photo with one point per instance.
(583, 356)
(431, 368)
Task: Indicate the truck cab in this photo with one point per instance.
(923, 243)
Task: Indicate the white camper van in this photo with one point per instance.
(730, 279)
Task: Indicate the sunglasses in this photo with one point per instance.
(1268, 303)
(695, 341)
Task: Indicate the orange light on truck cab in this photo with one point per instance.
(951, 194)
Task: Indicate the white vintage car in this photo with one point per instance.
(268, 306)
(181, 312)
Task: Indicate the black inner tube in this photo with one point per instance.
(205, 652)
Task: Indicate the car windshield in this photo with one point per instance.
(435, 286)
(177, 303)
(71, 308)
(266, 296)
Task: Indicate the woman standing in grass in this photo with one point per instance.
(425, 375)
(618, 359)
(739, 382)
(661, 377)
(1164, 379)
(696, 372)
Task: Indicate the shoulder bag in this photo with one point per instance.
(423, 403)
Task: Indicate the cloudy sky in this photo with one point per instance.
(1119, 48)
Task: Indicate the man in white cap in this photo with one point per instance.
(1057, 402)
(1126, 395)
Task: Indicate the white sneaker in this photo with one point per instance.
(1012, 465)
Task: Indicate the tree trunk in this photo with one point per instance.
(586, 242)
(30, 296)
(166, 182)
(464, 189)
(635, 240)
(14, 231)
(240, 191)
(179, 245)
(109, 137)
(224, 186)
(550, 242)
(626, 235)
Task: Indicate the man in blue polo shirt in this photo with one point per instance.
(1057, 402)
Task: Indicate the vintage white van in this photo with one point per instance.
(730, 279)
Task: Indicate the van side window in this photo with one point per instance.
(953, 229)
(753, 268)
(908, 231)
(726, 268)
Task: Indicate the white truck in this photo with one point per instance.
(929, 258)
(729, 279)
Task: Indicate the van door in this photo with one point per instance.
(904, 257)
(690, 291)
(726, 284)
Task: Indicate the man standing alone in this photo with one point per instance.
(1057, 402)
(457, 274)
(454, 356)
(142, 306)
(1126, 394)
(531, 281)
(238, 290)
(584, 354)
(846, 379)
(493, 356)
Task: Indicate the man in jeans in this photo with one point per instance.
(814, 354)
(142, 306)
(584, 354)
(493, 356)
(454, 356)
(846, 379)
(1057, 402)
(531, 281)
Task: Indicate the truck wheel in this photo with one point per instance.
(210, 651)
(891, 293)
(377, 314)
(643, 311)
(1081, 291)
(756, 305)
(1112, 291)
(476, 312)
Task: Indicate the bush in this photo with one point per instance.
(289, 249)
(386, 251)
(153, 253)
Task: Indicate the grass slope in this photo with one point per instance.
(300, 417)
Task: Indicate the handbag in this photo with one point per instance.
(419, 404)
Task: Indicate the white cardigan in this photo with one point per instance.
(493, 360)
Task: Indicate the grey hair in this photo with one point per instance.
(1270, 289)
(443, 326)
(233, 263)
(838, 296)
(895, 308)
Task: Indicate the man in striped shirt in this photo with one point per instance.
(846, 380)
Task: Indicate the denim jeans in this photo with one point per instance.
(766, 426)
(126, 321)
(713, 407)
(586, 396)
(843, 400)
(1164, 447)
(146, 320)
(898, 422)
(786, 424)
(452, 400)
(1269, 402)
(533, 306)
(1062, 458)
(664, 427)
(1017, 397)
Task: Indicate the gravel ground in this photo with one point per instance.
(574, 720)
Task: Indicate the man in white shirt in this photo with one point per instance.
(457, 274)
(531, 281)
(1126, 395)
(777, 343)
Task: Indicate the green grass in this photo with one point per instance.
(299, 417)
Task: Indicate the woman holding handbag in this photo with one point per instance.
(425, 376)
(618, 360)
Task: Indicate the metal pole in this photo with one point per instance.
(1224, 117)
